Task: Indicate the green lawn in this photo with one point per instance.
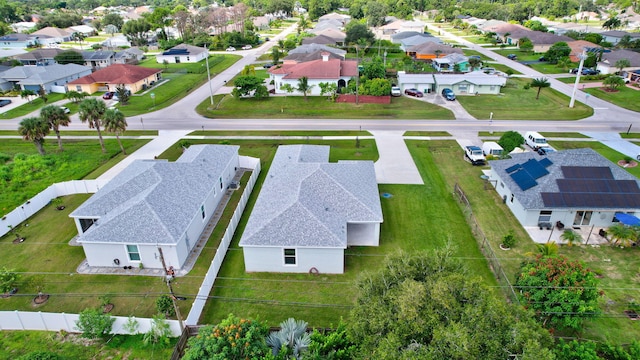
(624, 97)
(28, 108)
(323, 299)
(17, 343)
(261, 73)
(426, 133)
(280, 133)
(475, 53)
(291, 107)
(88, 132)
(563, 135)
(504, 68)
(547, 68)
(182, 79)
(624, 135)
(22, 180)
(518, 103)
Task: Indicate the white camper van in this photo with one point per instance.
(535, 140)
(492, 148)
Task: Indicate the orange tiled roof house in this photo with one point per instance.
(134, 78)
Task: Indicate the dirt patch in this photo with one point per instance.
(77, 339)
(40, 299)
(107, 308)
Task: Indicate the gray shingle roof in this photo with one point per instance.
(153, 201)
(531, 198)
(97, 55)
(55, 72)
(306, 201)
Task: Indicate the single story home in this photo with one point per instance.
(578, 188)
(49, 35)
(431, 50)
(423, 82)
(312, 48)
(118, 41)
(39, 57)
(309, 211)
(19, 41)
(608, 63)
(183, 53)
(579, 46)
(541, 41)
(409, 42)
(471, 83)
(614, 36)
(451, 63)
(23, 26)
(326, 25)
(99, 59)
(153, 212)
(332, 33)
(85, 30)
(129, 56)
(342, 18)
(328, 70)
(388, 30)
(54, 78)
(319, 39)
(133, 77)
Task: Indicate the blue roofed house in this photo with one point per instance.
(309, 211)
(153, 205)
(182, 53)
(578, 188)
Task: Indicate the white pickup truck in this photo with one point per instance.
(474, 154)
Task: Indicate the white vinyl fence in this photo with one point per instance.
(26, 320)
(35, 204)
(212, 273)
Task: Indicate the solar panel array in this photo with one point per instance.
(526, 174)
(592, 187)
(176, 52)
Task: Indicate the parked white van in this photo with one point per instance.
(535, 140)
(492, 148)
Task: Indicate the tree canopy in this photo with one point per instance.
(510, 140)
(69, 57)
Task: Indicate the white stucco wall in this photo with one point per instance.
(171, 59)
(103, 254)
(314, 83)
(363, 234)
(271, 259)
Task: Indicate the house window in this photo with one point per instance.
(202, 211)
(462, 88)
(134, 254)
(78, 88)
(511, 197)
(289, 256)
(545, 216)
(582, 218)
(221, 182)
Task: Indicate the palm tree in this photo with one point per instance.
(540, 83)
(304, 87)
(303, 24)
(564, 63)
(621, 233)
(27, 94)
(34, 129)
(91, 110)
(613, 82)
(55, 117)
(570, 236)
(474, 63)
(621, 64)
(549, 249)
(115, 122)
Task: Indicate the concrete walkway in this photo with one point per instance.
(395, 164)
(614, 141)
(152, 149)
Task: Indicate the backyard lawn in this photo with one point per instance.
(518, 103)
(291, 107)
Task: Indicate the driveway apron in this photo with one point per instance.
(395, 164)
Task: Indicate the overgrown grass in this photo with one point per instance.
(280, 133)
(182, 79)
(323, 299)
(78, 160)
(518, 103)
(291, 107)
(29, 107)
(14, 344)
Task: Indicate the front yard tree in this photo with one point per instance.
(427, 306)
(561, 292)
(540, 83)
(245, 85)
(525, 44)
(115, 122)
(275, 54)
(475, 63)
(304, 87)
(91, 110)
(621, 64)
(613, 82)
(55, 116)
(123, 94)
(373, 69)
(34, 129)
(113, 19)
(557, 51)
(69, 57)
(510, 140)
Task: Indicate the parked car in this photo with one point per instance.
(545, 150)
(512, 57)
(573, 71)
(247, 47)
(231, 48)
(413, 92)
(448, 94)
(395, 91)
(542, 58)
(108, 95)
(590, 72)
(4, 102)
(267, 65)
(625, 79)
(65, 109)
(474, 154)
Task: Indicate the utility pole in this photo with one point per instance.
(582, 57)
(208, 74)
(357, 73)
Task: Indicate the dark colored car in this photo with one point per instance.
(574, 71)
(4, 102)
(108, 95)
(512, 57)
(590, 72)
(545, 150)
(542, 58)
(448, 94)
(413, 92)
(267, 65)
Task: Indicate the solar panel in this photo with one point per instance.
(523, 180)
(534, 169)
(545, 162)
(512, 168)
(586, 172)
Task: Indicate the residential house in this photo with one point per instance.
(326, 25)
(118, 41)
(319, 39)
(309, 211)
(608, 63)
(260, 22)
(451, 63)
(19, 41)
(614, 36)
(329, 70)
(23, 26)
(342, 18)
(99, 59)
(398, 37)
(52, 78)
(134, 78)
(578, 188)
(334, 34)
(541, 41)
(303, 51)
(39, 57)
(49, 35)
(388, 30)
(85, 30)
(128, 56)
(578, 46)
(499, 27)
(304, 57)
(423, 82)
(412, 41)
(431, 50)
(153, 212)
(183, 53)
(473, 83)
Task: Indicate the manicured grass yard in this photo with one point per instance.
(518, 103)
(291, 107)
(624, 97)
(280, 133)
(323, 299)
(27, 108)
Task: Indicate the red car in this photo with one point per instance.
(413, 92)
(108, 95)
